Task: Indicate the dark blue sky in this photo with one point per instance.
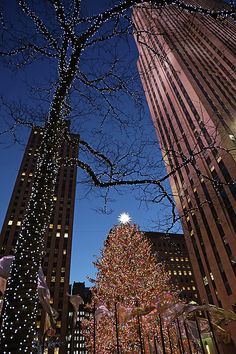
(90, 226)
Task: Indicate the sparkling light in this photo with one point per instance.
(124, 218)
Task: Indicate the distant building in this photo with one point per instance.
(76, 344)
(171, 250)
(58, 238)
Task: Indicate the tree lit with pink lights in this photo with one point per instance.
(131, 290)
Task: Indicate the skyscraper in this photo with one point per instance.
(187, 67)
(58, 238)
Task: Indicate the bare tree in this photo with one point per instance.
(58, 33)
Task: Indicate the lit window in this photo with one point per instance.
(64, 251)
(175, 272)
(219, 159)
(30, 174)
(23, 174)
(208, 349)
(55, 198)
(170, 272)
(63, 269)
(58, 234)
(180, 273)
(186, 258)
(51, 301)
(38, 324)
(41, 133)
(10, 222)
(53, 279)
(187, 218)
(56, 350)
(59, 227)
(18, 223)
(183, 287)
(51, 226)
(185, 273)
(232, 137)
(205, 280)
(212, 168)
(193, 287)
(172, 259)
(188, 287)
(211, 275)
(35, 132)
(62, 279)
(177, 259)
(58, 324)
(66, 234)
(189, 272)
(181, 259)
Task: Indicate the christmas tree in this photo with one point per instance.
(131, 290)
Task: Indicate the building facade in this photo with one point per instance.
(76, 341)
(187, 67)
(58, 238)
(171, 250)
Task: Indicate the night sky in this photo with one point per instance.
(90, 225)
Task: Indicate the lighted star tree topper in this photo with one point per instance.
(124, 218)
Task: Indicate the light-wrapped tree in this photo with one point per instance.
(129, 283)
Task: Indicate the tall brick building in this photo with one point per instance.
(58, 238)
(187, 67)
